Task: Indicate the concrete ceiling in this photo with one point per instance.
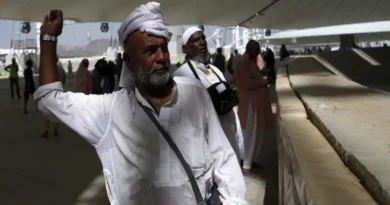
(283, 14)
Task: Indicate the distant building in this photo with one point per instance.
(24, 44)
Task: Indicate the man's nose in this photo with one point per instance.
(159, 55)
(202, 41)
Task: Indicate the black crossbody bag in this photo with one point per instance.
(223, 101)
(214, 198)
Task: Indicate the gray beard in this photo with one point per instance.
(152, 79)
(202, 59)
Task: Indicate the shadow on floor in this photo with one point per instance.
(271, 172)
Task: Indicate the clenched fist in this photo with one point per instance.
(53, 23)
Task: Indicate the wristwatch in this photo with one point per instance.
(48, 38)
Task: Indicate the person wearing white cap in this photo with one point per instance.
(198, 66)
(157, 142)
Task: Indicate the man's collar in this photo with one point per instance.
(199, 65)
(145, 102)
(140, 98)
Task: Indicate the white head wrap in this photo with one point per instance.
(146, 18)
(188, 33)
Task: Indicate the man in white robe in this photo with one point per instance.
(139, 166)
(195, 47)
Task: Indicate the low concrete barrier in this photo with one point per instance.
(310, 170)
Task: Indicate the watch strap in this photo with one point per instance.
(48, 38)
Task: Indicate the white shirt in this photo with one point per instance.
(139, 166)
(230, 121)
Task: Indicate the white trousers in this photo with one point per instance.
(253, 138)
(239, 135)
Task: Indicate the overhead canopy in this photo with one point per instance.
(359, 28)
(282, 14)
(325, 40)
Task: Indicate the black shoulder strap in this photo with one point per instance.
(195, 188)
(193, 70)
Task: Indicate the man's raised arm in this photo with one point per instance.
(50, 30)
(86, 114)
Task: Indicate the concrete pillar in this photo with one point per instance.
(346, 41)
(233, 34)
(176, 43)
(38, 53)
(237, 36)
(245, 34)
(38, 27)
(217, 38)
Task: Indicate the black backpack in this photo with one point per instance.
(224, 98)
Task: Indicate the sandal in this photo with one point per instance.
(248, 173)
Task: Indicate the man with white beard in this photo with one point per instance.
(140, 166)
(198, 66)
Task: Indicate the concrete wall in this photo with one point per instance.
(356, 68)
(382, 55)
(346, 41)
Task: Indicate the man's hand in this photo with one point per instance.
(53, 23)
(267, 80)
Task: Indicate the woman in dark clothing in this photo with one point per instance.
(110, 73)
(219, 61)
(97, 75)
(283, 54)
(29, 87)
(269, 59)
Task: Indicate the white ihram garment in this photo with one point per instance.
(139, 166)
(230, 122)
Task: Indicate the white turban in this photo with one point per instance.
(146, 18)
(188, 33)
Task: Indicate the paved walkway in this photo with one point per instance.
(40, 171)
(66, 170)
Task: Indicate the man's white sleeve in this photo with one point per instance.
(227, 172)
(88, 115)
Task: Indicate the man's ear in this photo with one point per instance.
(185, 50)
(129, 61)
